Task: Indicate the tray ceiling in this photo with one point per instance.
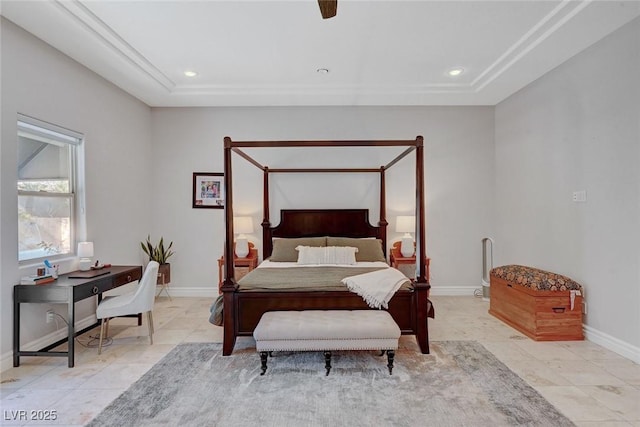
(258, 53)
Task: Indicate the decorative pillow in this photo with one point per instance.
(284, 250)
(368, 249)
(336, 255)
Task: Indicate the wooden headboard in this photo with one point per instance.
(322, 222)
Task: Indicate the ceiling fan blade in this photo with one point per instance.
(328, 8)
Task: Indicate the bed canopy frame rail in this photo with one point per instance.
(230, 147)
(241, 311)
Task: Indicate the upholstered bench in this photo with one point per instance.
(326, 330)
(544, 306)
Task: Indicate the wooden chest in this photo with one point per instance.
(542, 305)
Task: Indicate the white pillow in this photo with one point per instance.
(335, 255)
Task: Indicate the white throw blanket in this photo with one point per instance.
(376, 287)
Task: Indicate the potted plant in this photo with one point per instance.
(160, 254)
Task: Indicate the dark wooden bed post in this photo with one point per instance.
(383, 206)
(266, 223)
(421, 286)
(229, 285)
(420, 209)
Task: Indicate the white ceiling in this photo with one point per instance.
(267, 52)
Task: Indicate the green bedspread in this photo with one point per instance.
(298, 279)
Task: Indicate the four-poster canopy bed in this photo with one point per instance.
(243, 308)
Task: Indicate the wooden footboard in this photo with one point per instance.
(243, 310)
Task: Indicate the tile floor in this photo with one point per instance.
(589, 384)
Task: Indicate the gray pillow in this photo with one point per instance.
(216, 311)
(368, 249)
(284, 250)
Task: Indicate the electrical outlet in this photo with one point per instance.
(579, 196)
(50, 314)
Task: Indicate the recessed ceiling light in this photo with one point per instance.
(189, 73)
(322, 70)
(454, 72)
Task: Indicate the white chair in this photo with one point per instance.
(139, 301)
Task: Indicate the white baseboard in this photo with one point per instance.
(453, 291)
(208, 292)
(6, 361)
(620, 347)
(611, 343)
(212, 292)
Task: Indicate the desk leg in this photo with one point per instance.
(71, 331)
(16, 331)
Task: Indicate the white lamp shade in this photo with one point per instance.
(405, 224)
(85, 249)
(242, 224)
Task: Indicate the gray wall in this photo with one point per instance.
(41, 82)
(458, 174)
(578, 128)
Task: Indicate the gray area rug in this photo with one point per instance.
(459, 384)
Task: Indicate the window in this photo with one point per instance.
(47, 189)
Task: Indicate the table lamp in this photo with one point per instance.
(242, 225)
(406, 225)
(85, 253)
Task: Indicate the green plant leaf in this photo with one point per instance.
(157, 253)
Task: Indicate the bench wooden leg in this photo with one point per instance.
(390, 355)
(327, 361)
(263, 361)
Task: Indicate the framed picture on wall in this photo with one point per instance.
(208, 190)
